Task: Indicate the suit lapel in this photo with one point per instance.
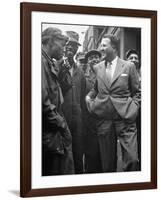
(118, 70)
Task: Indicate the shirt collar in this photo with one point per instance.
(114, 61)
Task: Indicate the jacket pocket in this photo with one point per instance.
(132, 111)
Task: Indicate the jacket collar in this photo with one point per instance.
(118, 70)
(52, 63)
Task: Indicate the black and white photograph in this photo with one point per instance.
(88, 95)
(91, 99)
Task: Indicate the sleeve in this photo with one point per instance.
(50, 114)
(135, 85)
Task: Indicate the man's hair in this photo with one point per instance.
(52, 34)
(114, 41)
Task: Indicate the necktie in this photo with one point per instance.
(109, 72)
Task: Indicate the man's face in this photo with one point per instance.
(134, 58)
(106, 49)
(56, 48)
(71, 49)
(80, 63)
(93, 60)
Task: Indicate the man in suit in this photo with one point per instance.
(115, 100)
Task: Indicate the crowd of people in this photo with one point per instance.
(89, 102)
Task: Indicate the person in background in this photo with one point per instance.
(133, 56)
(92, 58)
(72, 82)
(115, 100)
(92, 150)
(57, 157)
(80, 61)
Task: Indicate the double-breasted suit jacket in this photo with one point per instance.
(123, 91)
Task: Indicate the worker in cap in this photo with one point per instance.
(92, 57)
(92, 151)
(53, 42)
(57, 157)
(72, 81)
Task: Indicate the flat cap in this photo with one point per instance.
(73, 37)
(92, 52)
(53, 32)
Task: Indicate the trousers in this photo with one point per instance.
(108, 133)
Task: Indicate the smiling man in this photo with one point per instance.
(92, 152)
(72, 82)
(133, 56)
(115, 100)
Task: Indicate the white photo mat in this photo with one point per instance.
(144, 175)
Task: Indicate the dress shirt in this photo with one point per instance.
(113, 66)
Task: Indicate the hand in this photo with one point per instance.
(87, 98)
(66, 63)
(61, 122)
(88, 103)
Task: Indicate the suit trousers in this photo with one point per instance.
(127, 134)
(108, 133)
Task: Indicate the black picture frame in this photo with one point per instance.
(26, 108)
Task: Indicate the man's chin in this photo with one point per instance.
(103, 56)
